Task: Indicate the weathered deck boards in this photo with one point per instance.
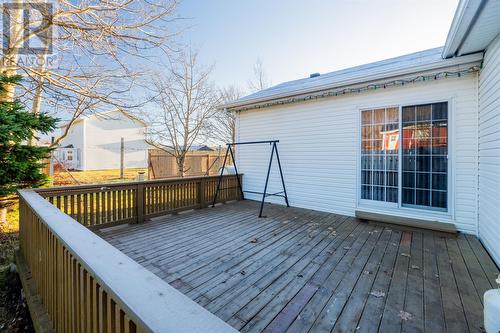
(305, 271)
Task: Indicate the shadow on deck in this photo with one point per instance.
(300, 270)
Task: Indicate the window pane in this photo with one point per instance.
(440, 129)
(391, 162)
(366, 132)
(423, 112)
(408, 114)
(409, 147)
(377, 146)
(392, 194)
(408, 163)
(439, 146)
(439, 181)
(378, 162)
(366, 162)
(366, 192)
(378, 132)
(392, 179)
(366, 117)
(439, 164)
(423, 180)
(409, 179)
(392, 115)
(408, 196)
(378, 193)
(366, 177)
(425, 160)
(423, 146)
(366, 146)
(379, 178)
(439, 199)
(423, 163)
(379, 116)
(440, 111)
(423, 198)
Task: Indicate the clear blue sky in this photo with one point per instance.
(294, 38)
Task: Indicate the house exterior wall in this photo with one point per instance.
(489, 150)
(102, 138)
(75, 137)
(68, 157)
(320, 148)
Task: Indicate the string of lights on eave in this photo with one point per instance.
(361, 89)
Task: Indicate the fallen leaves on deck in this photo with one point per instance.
(377, 293)
(405, 315)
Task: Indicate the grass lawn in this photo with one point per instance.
(96, 177)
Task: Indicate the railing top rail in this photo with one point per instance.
(155, 305)
(108, 186)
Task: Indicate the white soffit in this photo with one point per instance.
(475, 25)
(484, 31)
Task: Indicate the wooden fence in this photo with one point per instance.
(86, 285)
(163, 165)
(98, 206)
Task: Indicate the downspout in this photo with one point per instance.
(477, 150)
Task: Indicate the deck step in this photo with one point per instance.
(405, 221)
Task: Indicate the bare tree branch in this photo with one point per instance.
(260, 80)
(101, 48)
(185, 102)
(221, 127)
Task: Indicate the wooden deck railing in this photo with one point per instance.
(97, 206)
(87, 285)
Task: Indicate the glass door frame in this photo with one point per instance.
(431, 211)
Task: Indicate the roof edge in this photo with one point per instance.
(444, 63)
(465, 17)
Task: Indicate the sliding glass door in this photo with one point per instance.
(419, 156)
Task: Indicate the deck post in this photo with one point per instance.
(201, 193)
(140, 203)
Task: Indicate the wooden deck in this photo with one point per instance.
(306, 271)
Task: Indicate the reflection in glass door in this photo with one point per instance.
(379, 154)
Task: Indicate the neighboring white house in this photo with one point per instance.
(96, 142)
(340, 133)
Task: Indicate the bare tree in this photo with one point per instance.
(98, 49)
(186, 100)
(221, 127)
(260, 80)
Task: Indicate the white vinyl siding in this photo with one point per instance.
(489, 150)
(102, 142)
(320, 140)
(98, 139)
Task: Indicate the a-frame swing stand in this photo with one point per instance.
(274, 150)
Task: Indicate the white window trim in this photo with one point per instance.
(398, 209)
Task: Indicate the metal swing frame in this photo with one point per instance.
(229, 151)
